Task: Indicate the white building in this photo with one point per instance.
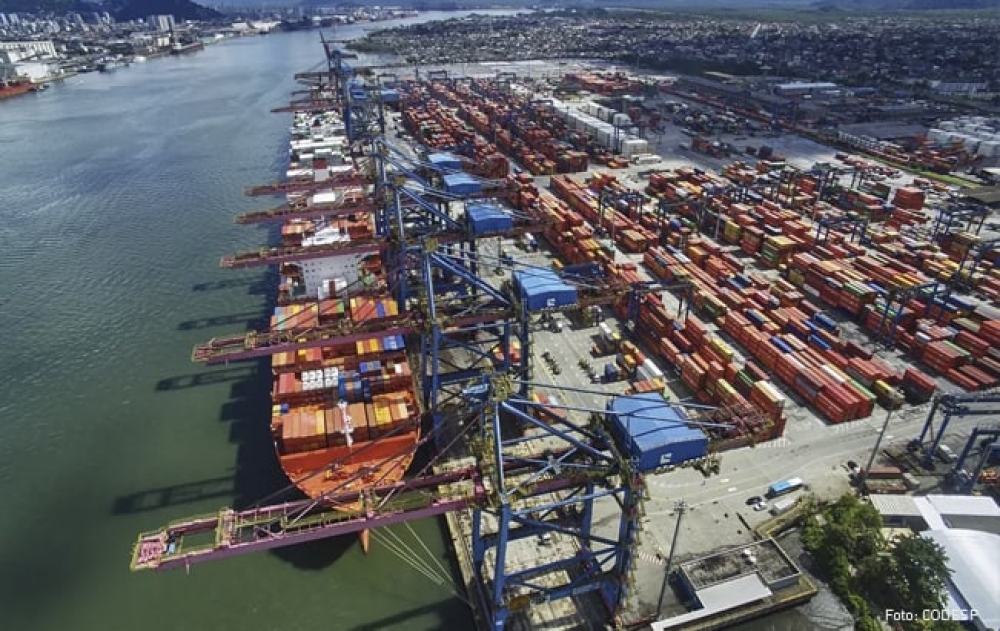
(39, 49)
(162, 23)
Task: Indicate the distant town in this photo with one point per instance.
(36, 49)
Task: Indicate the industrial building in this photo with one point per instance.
(803, 88)
(723, 582)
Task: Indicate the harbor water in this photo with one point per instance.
(117, 198)
(117, 195)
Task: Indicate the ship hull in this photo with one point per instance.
(14, 89)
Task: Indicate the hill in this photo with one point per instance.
(121, 9)
(180, 9)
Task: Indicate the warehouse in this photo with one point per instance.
(738, 577)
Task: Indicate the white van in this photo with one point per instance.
(946, 455)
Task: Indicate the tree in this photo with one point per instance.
(918, 573)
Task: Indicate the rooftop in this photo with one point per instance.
(770, 563)
(895, 505)
(884, 131)
(973, 558)
(720, 598)
(989, 195)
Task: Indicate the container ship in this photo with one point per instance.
(344, 415)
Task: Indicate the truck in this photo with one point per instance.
(946, 455)
(783, 506)
(607, 342)
(784, 487)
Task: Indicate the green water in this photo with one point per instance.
(117, 197)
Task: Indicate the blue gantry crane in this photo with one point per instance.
(952, 405)
(952, 217)
(986, 436)
(856, 224)
(584, 468)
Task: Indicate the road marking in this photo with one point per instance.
(650, 558)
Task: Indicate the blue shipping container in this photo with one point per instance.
(819, 343)
(825, 321)
(781, 344)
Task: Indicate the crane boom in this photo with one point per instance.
(286, 212)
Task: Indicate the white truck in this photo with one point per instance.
(783, 506)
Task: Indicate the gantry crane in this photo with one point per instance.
(892, 302)
(953, 405)
(858, 228)
(965, 480)
(969, 217)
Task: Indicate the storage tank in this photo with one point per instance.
(634, 146)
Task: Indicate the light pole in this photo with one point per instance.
(680, 507)
(896, 394)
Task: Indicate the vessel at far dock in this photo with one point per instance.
(179, 48)
(110, 65)
(13, 87)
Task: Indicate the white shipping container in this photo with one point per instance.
(652, 369)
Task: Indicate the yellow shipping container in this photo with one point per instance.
(725, 390)
(319, 417)
(723, 349)
(796, 278)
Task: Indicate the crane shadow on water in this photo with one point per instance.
(249, 320)
(452, 615)
(180, 382)
(256, 286)
(257, 478)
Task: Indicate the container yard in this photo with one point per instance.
(516, 312)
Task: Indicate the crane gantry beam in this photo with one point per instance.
(303, 210)
(309, 184)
